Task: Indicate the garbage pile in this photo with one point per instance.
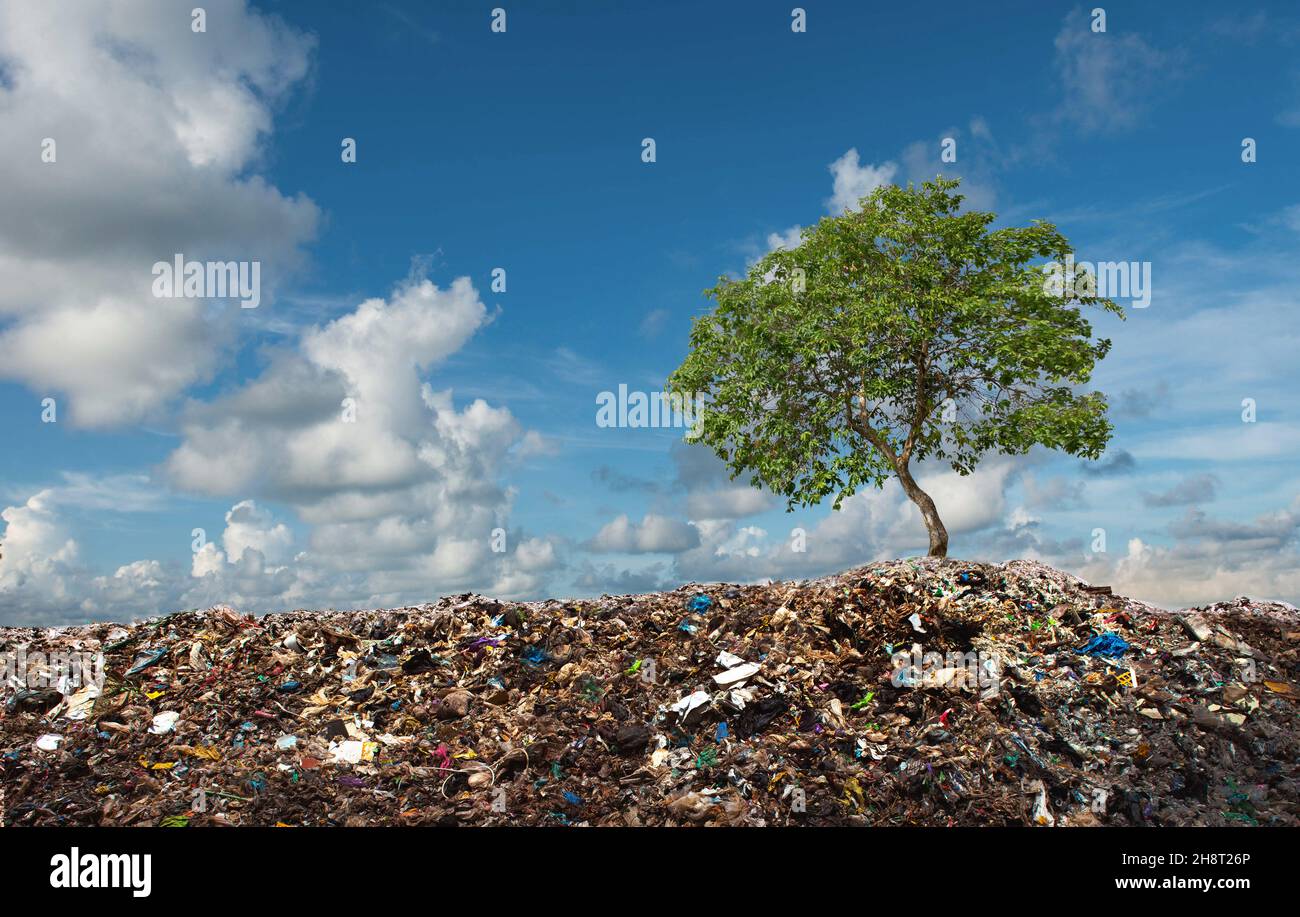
(911, 692)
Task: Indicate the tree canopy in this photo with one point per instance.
(903, 331)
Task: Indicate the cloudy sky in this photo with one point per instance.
(356, 439)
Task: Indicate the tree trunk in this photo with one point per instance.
(933, 524)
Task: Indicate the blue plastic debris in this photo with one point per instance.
(534, 655)
(700, 602)
(721, 733)
(144, 659)
(289, 686)
(688, 626)
(1111, 646)
(572, 799)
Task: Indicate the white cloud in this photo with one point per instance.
(376, 345)
(789, 239)
(728, 502)
(535, 555)
(362, 452)
(43, 580)
(854, 181)
(251, 528)
(1107, 77)
(157, 130)
(652, 535)
(131, 580)
(207, 559)
(1195, 572)
(970, 502)
(399, 484)
(34, 541)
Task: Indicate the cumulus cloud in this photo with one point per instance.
(854, 180)
(251, 528)
(346, 426)
(1207, 558)
(1213, 559)
(728, 503)
(35, 544)
(789, 239)
(709, 490)
(157, 131)
(43, 579)
(398, 483)
(869, 525)
(654, 534)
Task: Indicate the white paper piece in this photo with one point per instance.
(346, 752)
(690, 703)
(739, 673)
(740, 697)
(164, 722)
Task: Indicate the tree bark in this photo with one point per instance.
(933, 524)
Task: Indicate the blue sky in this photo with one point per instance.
(522, 151)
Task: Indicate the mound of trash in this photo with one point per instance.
(910, 692)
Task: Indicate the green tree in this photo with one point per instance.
(902, 331)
